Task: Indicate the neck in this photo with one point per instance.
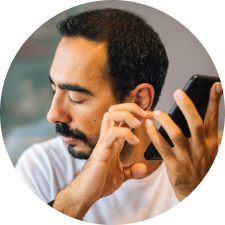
(137, 152)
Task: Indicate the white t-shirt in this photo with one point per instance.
(47, 168)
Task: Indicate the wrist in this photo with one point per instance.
(71, 205)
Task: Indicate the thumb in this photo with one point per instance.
(134, 171)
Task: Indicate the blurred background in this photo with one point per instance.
(27, 94)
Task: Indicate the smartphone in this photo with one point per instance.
(198, 89)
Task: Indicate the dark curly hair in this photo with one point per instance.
(135, 52)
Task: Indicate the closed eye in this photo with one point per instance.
(70, 100)
(74, 102)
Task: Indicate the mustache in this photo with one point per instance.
(65, 130)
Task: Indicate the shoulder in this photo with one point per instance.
(47, 167)
(42, 152)
(36, 163)
(53, 156)
(49, 155)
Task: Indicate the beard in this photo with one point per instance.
(90, 142)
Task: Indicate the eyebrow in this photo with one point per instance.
(72, 87)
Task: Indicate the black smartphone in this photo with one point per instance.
(198, 89)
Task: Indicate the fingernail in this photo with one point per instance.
(144, 112)
(148, 122)
(218, 88)
(137, 121)
(157, 112)
(180, 94)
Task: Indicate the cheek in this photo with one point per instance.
(89, 117)
(89, 121)
(96, 118)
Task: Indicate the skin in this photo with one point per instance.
(82, 62)
(190, 159)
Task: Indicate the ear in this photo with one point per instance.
(142, 95)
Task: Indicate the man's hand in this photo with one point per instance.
(103, 173)
(190, 159)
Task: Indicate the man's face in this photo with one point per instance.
(82, 93)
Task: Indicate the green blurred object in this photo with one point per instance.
(27, 93)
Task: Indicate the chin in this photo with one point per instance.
(78, 153)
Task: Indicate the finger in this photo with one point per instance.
(110, 119)
(139, 113)
(174, 132)
(115, 133)
(212, 113)
(192, 116)
(159, 142)
(134, 171)
(123, 117)
(112, 143)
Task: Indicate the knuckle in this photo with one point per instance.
(129, 130)
(106, 115)
(112, 130)
(111, 108)
(161, 145)
(177, 135)
(163, 115)
(126, 131)
(130, 116)
(198, 126)
(133, 105)
(126, 114)
(127, 134)
(120, 132)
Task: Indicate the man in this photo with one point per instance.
(107, 75)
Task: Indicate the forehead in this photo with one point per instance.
(78, 60)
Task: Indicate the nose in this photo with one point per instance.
(59, 111)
